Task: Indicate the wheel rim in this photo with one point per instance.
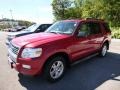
(104, 50)
(56, 69)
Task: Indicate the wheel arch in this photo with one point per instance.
(65, 55)
(106, 42)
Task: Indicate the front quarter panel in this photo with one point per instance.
(52, 47)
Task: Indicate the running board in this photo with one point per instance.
(84, 59)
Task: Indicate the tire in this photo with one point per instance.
(103, 50)
(55, 69)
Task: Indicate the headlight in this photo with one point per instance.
(31, 52)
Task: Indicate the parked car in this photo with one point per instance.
(11, 29)
(16, 29)
(35, 28)
(63, 44)
(19, 28)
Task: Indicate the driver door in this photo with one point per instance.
(82, 45)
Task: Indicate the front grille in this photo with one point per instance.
(14, 49)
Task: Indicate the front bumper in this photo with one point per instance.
(34, 70)
(19, 65)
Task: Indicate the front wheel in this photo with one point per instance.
(103, 51)
(55, 68)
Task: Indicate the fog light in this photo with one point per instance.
(26, 66)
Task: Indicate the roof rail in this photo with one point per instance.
(94, 19)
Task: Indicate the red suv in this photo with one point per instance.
(64, 43)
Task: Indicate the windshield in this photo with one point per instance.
(32, 28)
(62, 27)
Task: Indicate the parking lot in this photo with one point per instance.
(94, 74)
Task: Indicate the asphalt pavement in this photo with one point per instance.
(94, 74)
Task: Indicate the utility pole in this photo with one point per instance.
(11, 18)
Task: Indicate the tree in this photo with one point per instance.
(108, 10)
(93, 9)
(113, 12)
(60, 7)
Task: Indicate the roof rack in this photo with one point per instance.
(94, 19)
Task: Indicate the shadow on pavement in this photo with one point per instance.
(87, 75)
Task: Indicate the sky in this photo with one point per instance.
(39, 11)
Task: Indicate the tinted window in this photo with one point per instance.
(94, 28)
(106, 26)
(43, 27)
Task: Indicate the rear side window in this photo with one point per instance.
(94, 28)
(106, 26)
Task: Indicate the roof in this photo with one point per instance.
(87, 19)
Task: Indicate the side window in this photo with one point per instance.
(84, 30)
(39, 27)
(95, 28)
(106, 26)
(42, 28)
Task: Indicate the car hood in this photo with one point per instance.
(41, 37)
(17, 33)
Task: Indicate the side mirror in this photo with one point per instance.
(82, 34)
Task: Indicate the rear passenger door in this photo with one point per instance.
(95, 37)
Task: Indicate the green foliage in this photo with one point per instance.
(108, 10)
(116, 32)
(60, 8)
(91, 8)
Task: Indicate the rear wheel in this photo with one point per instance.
(55, 68)
(104, 49)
